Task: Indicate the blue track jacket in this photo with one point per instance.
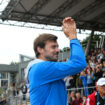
(46, 85)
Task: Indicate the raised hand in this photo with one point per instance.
(69, 28)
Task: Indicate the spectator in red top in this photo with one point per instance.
(88, 68)
(97, 97)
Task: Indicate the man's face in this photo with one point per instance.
(101, 90)
(50, 52)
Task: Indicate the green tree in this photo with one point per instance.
(93, 44)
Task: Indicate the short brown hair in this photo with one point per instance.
(41, 40)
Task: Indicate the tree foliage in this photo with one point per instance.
(94, 40)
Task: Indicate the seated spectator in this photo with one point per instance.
(67, 82)
(90, 81)
(98, 73)
(99, 61)
(83, 77)
(103, 74)
(103, 68)
(83, 100)
(3, 101)
(97, 97)
(100, 54)
(74, 81)
(78, 83)
(77, 100)
(88, 68)
(93, 64)
(24, 90)
(103, 59)
(71, 98)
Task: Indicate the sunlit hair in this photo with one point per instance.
(41, 40)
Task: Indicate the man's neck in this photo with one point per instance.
(41, 58)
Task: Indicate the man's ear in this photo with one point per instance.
(40, 50)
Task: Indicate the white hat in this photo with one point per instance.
(101, 82)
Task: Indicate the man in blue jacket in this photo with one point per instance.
(45, 75)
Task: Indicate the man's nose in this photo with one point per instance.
(57, 50)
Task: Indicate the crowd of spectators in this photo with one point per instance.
(86, 80)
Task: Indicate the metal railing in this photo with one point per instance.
(17, 100)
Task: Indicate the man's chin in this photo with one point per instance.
(56, 59)
(52, 59)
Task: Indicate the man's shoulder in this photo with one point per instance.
(92, 95)
(40, 68)
(91, 99)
